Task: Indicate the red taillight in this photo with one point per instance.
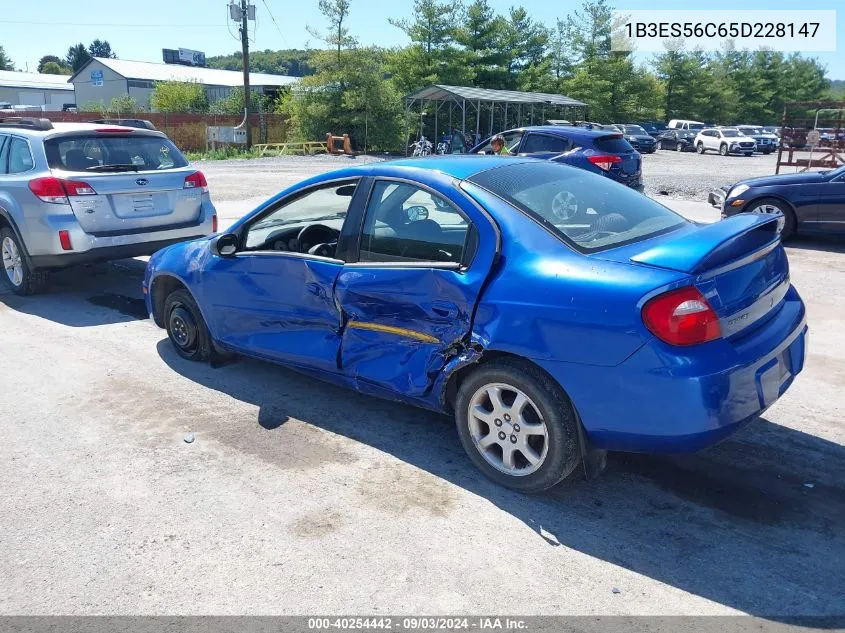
(64, 240)
(214, 224)
(48, 190)
(682, 317)
(197, 179)
(604, 161)
(56, 190)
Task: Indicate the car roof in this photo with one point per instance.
(569, 131)
(460, 167)
(64, 127)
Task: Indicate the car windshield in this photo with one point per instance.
(730, 133)
(634, 129)
(98, 152)
(696, 126)
(750, 130)
(586, 210)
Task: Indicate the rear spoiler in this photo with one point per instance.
(136, 123)
(731, 241)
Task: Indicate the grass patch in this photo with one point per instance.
(222, 153)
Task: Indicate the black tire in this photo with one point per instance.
(749, 153)
(788, 214)
(723, 150)
(185, 326)
(700, 148)
(32, 281)
(658, 145)
(563, 452)
(679, 147)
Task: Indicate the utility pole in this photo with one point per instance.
(245, 51)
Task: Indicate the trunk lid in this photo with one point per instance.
(738, 264)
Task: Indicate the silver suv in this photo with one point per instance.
(72, 193)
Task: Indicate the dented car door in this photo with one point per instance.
(408, 294)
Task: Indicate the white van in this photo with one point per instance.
(685, 124)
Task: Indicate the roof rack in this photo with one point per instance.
(28, 122)
(137, 123)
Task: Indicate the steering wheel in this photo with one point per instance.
(564, 205)
(314, 234)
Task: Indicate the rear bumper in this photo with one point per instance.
(671, 400)
(46, 250)
(107, 253)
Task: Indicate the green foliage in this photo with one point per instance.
(77, 56)
(94, 106)
(226, 152)
(101, 48)
(123, 104)
(294, 63)
(350, 98)
(5, 62)
(54, 68)
(234, 103)
(179, 96)
(49, 58)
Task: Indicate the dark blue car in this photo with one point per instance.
(550, 310)
(599, 151)
(810, 202)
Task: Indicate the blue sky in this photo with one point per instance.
(139, 31)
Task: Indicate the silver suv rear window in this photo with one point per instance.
(112, 152)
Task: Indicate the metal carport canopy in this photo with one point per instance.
(464, 95)
(440, 92)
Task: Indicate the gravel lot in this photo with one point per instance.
(301, 498)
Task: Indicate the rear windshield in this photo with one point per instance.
(99, 152)
(588, 211)
(635, 129)
(613, 145)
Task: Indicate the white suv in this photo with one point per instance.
(725, 141)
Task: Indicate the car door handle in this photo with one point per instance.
(443, 309)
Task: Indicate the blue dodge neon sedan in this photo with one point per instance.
(554, 312)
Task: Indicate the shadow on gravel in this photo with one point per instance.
(85, 296)
(829, 244)
(754, 524)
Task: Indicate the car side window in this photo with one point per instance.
(405, 223)
(4, 148)
(535, 143)
(278, 229)
(512, 140)
(20, 158)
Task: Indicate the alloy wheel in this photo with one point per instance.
(12, 261)
(508, 429)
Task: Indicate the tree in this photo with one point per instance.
(336, 12)
(524, 47)
(368, 108)
(481, 36)
(77, 56)
(5, 62)
(562, 56)
(49, 58)
(123, 104)
(291, 62)
(101, 48)
(432, 29)
(55, 68)
(591, 30)
(180, 96)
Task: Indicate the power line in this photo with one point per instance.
(98, 24)
(267, 6)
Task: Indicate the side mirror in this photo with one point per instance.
(226, 245)
(416, 213)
